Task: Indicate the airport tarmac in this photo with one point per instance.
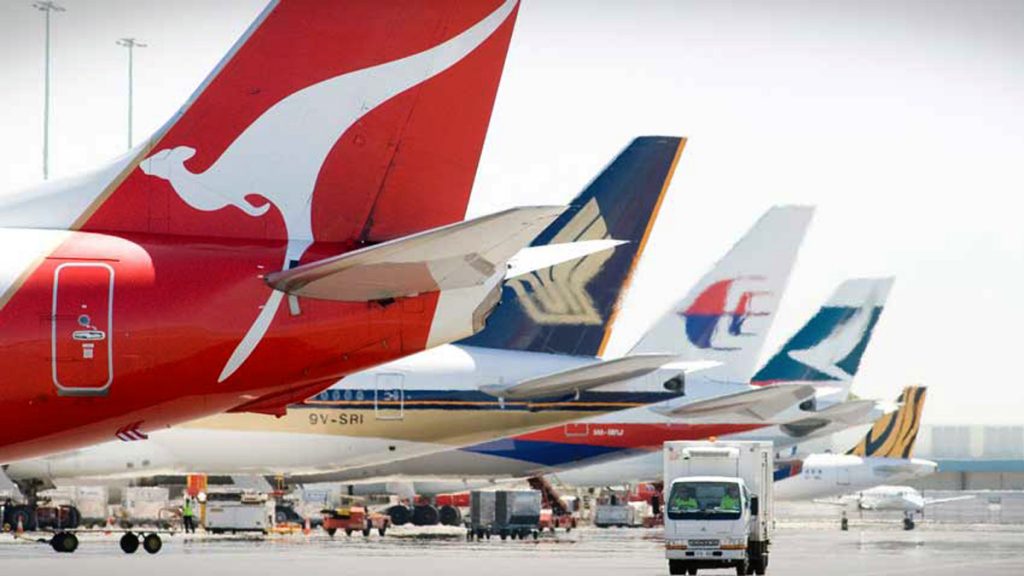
(802, 549)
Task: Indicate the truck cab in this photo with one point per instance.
(717, 506)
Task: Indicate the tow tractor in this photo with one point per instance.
(351, 516)
(62, 522)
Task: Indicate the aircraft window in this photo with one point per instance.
(337, 394)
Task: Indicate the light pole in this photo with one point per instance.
(47, 6)
(131, 44)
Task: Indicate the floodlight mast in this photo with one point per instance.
(131, 44)
(47, 6)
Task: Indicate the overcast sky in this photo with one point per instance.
(901, 120)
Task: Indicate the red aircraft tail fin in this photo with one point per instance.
(341, 122)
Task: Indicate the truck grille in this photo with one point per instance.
(703, 543)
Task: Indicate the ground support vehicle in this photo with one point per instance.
(719, 506)
(504, 513)
(239, 511)
(351, 516)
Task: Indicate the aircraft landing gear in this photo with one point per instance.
(64, 542)
(844, 523)
(908, 523)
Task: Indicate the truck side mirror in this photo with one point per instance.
(753, 505)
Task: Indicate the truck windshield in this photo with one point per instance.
(705, 501)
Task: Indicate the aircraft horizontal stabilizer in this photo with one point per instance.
(851, 412)
(458, 255)
(582, 378)
(758, 405)
(533, 258)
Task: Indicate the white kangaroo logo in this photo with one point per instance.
(279, 156)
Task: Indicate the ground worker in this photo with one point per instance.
(730, 500)
(188, 516)
(685, 502)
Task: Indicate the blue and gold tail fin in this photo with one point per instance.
(569, 308)
(893, 435)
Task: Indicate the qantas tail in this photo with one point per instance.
(726, 316)
(828, 349)
(894, 435)
(345, 123)
(569, 308)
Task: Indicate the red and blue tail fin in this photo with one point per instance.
(569, 308)
(726, 317)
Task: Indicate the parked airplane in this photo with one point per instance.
(550, 328)
(296, 221)
(884, 455)
(624, 447)
(893, 498)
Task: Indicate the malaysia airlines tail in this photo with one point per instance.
(727, 315)
(570, 308)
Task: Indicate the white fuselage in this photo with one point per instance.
(892, 498)
(828, 475)
(416, 406)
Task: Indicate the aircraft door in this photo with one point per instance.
(81, 322)
(389, 397)
(843, 476)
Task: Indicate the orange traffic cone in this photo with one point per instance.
(21, 528)
(305, 528)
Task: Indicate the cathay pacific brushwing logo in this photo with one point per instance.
(846, 335)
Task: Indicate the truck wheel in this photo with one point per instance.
(382, 530)
(691, 571)
(348, 531)
(741, 569)
(503, 534)
(129, 543)
(366, 532)
(152, 543)
(331, 532)
(676, 567)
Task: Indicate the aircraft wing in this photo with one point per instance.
(757, 405)
(931, 501)
(458, 255)
(590, 376)
(841, 501)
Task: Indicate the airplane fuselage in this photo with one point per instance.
(110, 332)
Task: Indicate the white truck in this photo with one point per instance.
(719, 505)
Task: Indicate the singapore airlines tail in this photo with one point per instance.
(569, 308)
(727, 315)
